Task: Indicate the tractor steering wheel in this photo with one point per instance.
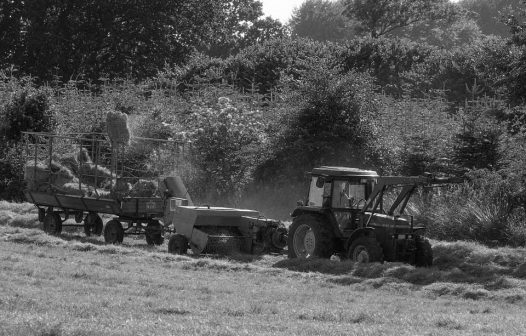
(359, 202)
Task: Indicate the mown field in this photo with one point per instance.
(73, 285)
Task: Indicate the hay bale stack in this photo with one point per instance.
(117, 127)
(144, 188)
(41, 175)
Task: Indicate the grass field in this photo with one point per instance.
(73, 285)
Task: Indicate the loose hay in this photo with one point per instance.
(117, 127)
(144, 188)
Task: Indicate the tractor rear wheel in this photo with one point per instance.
(178, 244)
(93, 224)
(52, 223)
(154, 233)
(310, 237)
(423, 253)
(113, 232)
(365, 250)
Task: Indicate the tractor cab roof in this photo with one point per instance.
(343, 172)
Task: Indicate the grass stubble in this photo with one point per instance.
(75, 285)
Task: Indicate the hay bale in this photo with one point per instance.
(72, 189)
(144, 188)
(88, 171)
(117, 127)
(121, 188)
(84, 190)
(41, 175)
(74, 159)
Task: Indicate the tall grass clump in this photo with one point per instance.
(485, 208)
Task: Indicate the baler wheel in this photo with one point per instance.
(365, 250)
(178, 244)
(423, 253)
(113, 232)
(154, 233)
(310, 237)
(93, 224)
(52, 223)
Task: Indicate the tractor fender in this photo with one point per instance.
(366, 231)
(319, 212)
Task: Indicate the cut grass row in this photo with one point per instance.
(73, 285)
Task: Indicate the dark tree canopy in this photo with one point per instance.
(322, 20)
(65, 39)
(381, 17)
(488, 14)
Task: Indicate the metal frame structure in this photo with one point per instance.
(56, 205)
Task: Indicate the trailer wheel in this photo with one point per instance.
(113, 232)
(52, 223)
(178, 244)
(93, 224)
(309, 236)
(154, 233)
(423, 253)
(365, 250)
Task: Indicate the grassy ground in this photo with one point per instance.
(73, 285)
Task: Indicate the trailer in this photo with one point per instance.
(84, 175)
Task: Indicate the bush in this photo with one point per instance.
(226, 137)
(327, 121)
(483, 209)
(12, 173)
(27, 111)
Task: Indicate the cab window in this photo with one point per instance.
(315, 193)
(347, 194)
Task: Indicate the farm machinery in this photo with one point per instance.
(221, 230)
(345, 213)
(82, 176)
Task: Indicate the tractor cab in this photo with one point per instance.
(342, 190)
(340, 187)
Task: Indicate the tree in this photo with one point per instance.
(381, 17)
(488, 14)
(322, 20)
(10, 31)
(92, 38)
(243, 26)
(516, 21)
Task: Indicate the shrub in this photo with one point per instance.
(326, 121)
(27, 111)
(482, 209)
(226, 136)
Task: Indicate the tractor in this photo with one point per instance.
(345, 215)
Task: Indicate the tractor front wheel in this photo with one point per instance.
(365, 250)
(423, 253)
(178, 244)
(310, 237)
(113, 232)
(154, 233)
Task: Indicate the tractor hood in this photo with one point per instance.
(386, 221)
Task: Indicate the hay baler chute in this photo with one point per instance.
(221, 230)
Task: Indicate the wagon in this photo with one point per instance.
(81, 176)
